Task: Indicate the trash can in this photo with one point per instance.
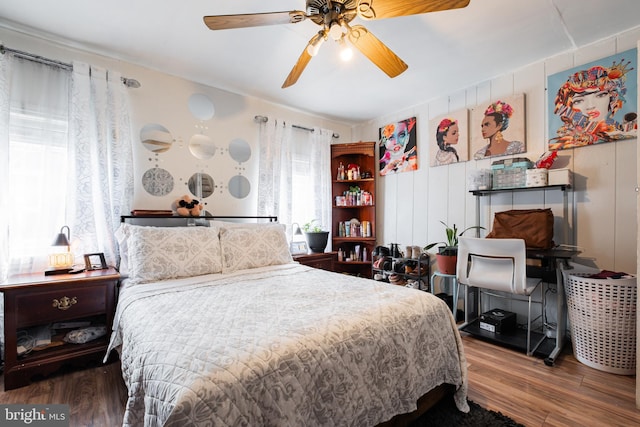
(602, 318)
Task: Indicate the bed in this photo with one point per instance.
(219, 326)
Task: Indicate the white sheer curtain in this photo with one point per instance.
(5, 84)
(279, 191)
(320, 168)
(34, 107)
(101, 158)
(275, 170)
(65, 159)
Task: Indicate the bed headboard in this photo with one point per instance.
(181, 221)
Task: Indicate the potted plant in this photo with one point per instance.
(447, 255)
(315, 236)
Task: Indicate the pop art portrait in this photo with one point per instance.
(449, 138)
(594, 103)
(498, 128)
(398, 147)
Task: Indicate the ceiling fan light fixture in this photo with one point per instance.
(346, 53)
(335, 31)
(314, 44)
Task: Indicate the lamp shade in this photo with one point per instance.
(61, 238)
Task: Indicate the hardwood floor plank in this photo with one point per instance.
(568, 394)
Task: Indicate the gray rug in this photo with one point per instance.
(445, 414)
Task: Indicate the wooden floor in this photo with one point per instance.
(521, 387)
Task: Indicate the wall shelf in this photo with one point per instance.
(563, 187)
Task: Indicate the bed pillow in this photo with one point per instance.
(160, 253)
(253, 246)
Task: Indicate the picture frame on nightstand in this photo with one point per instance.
(95, 262)
(298, 248)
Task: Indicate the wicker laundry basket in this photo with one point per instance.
(602, 317)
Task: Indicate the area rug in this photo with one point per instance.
(445, 414)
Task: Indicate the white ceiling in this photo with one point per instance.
(445, 51)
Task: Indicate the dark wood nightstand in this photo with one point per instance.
(324, 261)
(33, 300)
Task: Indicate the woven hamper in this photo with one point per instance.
(602, 317)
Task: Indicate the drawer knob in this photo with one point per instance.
(64, 303)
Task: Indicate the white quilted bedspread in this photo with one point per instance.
(286, 345)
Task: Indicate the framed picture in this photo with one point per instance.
(449, 138)
(498, 128)
(594, 103)
(298, 248)
(95, 262)
(398, 147)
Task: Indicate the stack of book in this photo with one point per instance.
(152, 212)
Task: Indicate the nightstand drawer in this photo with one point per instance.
(60, 303)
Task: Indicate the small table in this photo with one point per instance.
(446, 278)
(36, 300)
(324, 260)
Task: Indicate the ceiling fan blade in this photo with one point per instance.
(225, 22)
(379, 9)
(297, 69)
(376, 51)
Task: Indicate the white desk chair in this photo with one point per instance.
(498, 265)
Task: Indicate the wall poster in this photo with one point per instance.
(594, 103)
(450, 143)
(498, 128)
(397, 146)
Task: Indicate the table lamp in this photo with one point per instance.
(61, 261)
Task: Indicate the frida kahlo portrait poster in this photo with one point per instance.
(594, 103)
(397, 146)
(498, 128)
(451, 138)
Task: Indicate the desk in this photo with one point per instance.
(454, 288)
(552, 261)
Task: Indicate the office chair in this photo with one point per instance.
(498, 265)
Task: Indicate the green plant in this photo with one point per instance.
(312, 227)
(452, 236)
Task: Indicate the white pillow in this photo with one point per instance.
(160, 253)
(253, 246)
(122, 234)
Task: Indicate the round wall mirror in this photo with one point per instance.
(202, 147)
(201, 185)
(157, 182)
(239, 150)
(201, 106)
(156, 138)
(239, 187)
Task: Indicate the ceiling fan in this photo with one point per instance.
(334, 17)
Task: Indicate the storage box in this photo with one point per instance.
(560, 177)
(498, 321)
(510, 173)
(480, 179)
(536, 177)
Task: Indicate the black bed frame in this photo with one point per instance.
(160, 218)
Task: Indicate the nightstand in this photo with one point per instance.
(33, 300)
(323, 260)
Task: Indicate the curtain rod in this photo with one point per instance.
(264, 119)
(132, 83)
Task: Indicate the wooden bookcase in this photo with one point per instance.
(357, 210)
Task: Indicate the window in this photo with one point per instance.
(38, 141)
(302, 200)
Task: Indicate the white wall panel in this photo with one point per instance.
(602, 212)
